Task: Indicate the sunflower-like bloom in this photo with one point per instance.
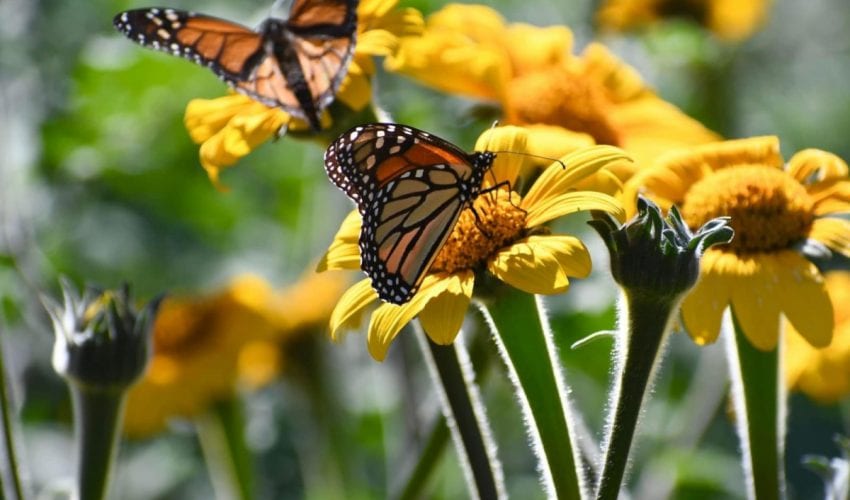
(731, 20)
(531, 73)
(780, 214)
(508, 240)
(230, 127)
(204, 347)
(823, 374)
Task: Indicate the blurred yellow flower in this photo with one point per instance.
(204, 347)
(776, 210)
(517, 249)
(731, 20)
(823, 374)
(230, 127)
(532, 74)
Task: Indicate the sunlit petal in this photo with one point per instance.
(541, 264)
(443, 316)
(349, 310)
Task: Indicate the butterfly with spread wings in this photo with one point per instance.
(410, 188)
(297, 64)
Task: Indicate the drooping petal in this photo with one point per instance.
(756, 300)
(504, 141)
(703, 307)
(561, 177)
(388, 319)
(250, 124)
(815, 165)
(349, 310)
(556, 206)
(832, 232)
(356, 89)
(444, 314)
(344, 252)
(541, 264)
(805, 300)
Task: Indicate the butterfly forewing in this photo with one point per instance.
(336, 18)
(410, 188)
(227, 48)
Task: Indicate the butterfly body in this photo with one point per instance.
(410, 188)
(296, 64)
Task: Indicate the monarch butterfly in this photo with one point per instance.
(297, 64)
(410, 188)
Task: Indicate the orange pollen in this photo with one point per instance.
(557, 96)
(769, 209)
(473, 241)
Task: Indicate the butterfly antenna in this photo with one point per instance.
(531, 155)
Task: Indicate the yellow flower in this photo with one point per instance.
(731, 20)
(230, 127)
(204, 347)
(533, 75)
(517, 248)
(823, 374)
(776, 209)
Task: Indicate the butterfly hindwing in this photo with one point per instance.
(410, 188)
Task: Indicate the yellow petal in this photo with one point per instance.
(703, 307)
(831, 196)
(804, 299)
(206, 117)
(504, 141)
(344, 252)
(816, 165)
(388, 319)
(348, 311)
(735, 20)
(532, 48)
(355, 91)
(443, 316)
(561, 177)
(541, 264)
(556, 206)
(756, 300)
(832, 232)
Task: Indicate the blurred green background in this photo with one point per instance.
(100, 182)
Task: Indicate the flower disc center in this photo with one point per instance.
(769, 209)
(500, 222)
(559, 97)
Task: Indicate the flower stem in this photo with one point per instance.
(759, 398)
(8, 437)
(97, 419)
(466, 417)
(525, 343)
(221, 433)
(428, 458)
(647, 323)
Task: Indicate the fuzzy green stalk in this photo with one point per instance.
(8, 437)
(97, 421)
(646, 325)
(759, 398)
(525, 342)
(655, 260)
(228, 460)
(465, 414)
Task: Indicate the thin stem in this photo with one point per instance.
(438, 438)
(525, 343)
(759, 397)
(648, 321)
(221, 433)
(466, 417)
(8, 437)
(97, 419)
